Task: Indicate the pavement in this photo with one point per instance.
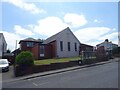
(55, 71)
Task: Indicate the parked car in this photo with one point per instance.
(4, 65)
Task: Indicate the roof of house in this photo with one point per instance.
(86, 45)
(53, 38)
(108, 42)
(8, 54)
(31, 40)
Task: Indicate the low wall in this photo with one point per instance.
(20, 71)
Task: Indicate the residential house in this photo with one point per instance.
(29, 44)
(106, 46)
(3, 45)
(62, 44)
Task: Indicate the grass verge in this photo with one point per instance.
(55, 60)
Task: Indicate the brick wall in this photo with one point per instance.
(48, 51)
(24, 47)
(35, 51)
(54, 49)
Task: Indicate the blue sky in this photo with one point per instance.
(91, 22)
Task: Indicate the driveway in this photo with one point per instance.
(8, 75)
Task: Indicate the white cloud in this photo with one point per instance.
(97, 21)
(91, 35)
(26, 6)
(49, 26)
(19, 30)
(110, 36)
(113, 37)
(11, 39)
(75, 20)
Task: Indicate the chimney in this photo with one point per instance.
(106, 40)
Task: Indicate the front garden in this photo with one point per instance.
(55, 60)
(25, 63)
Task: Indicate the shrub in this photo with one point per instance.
(24, 58)
(116, 50)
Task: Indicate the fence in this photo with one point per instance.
(88, 55)
(93, 57)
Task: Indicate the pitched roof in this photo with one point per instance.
(52, 38)
(31, 40)
(107, 42)
(87, 45)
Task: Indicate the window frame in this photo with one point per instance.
(75, 44)
(61, 45)
(42, 50)
(69, 48)
(29, 44)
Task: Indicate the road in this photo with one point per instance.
(101, 76)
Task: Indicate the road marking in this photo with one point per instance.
(35, 84)
(29, 79)
(43, 83)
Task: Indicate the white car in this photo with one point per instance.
(4, 65)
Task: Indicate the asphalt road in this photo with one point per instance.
(101, 76)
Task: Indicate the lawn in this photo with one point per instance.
(58, 60)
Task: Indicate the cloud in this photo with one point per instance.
(113, 37)
(110, 36)
(49, 26)
(96, 21)
(75, 20)
(26, 6)
(19, 30)
(91, 35)
(11, 39)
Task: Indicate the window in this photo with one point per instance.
(68, 46)
(61, 45)
(30, 44)
(42, 49)
(75, 46)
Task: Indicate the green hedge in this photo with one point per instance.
(24, 58)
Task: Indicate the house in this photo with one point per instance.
(3, 45)
(85, 47)
(28, 43)
(62, 44)
(106, 46)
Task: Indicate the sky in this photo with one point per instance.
(91, 22)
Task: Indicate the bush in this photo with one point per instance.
(116, 50)
(24, 58)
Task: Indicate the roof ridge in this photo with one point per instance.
(56, 34)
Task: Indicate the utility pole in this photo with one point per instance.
(15, 54)
(16, 45)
